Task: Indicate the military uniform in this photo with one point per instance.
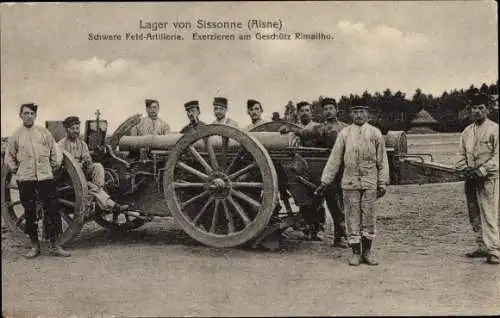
(221, 101)
(32, 154)
(150, 126)
(479, 151)
(361, 150)
(192, 125)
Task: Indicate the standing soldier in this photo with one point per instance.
(220, 112)
(360, 147)
(193, 113)
(254, 108)
(324, 135)
(151, 124)
(33, 156)
(94, 171)
(479, 152)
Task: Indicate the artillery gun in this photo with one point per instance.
(220, 184)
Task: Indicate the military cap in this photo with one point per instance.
(359, 103)
(31, 106)
(70, 121)
(252, 102)
(302, 104)
(479, 99)
(149, 102)
(327, 101)
(220, 101)
(192, 104)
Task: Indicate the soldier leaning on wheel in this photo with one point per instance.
(33, 156)
(479, 152)
(151, 124)
(94, 171)
(360, 147)
(324, 135)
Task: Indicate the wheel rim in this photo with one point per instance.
(221, 191)
(72, 194)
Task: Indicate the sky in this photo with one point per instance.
(47, 58)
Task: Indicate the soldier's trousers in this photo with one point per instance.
(360, 214)
(482, 202)
(314, 213)
(47, 193)
(95, 176)
(335, 204)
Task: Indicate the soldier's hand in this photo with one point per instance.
(320, 190)
(381, 192)
(284, 130)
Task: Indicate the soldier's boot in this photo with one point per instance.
(340, 241)
(481, 251)
(35, 249)
(355, 259)
(368, 257)
(493, 259)
(57, 250)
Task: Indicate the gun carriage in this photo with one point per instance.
(220, 184)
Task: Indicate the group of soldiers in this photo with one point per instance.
(355, 176)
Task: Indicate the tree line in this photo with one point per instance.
(394, 111)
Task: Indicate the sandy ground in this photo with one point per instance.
(158, 270)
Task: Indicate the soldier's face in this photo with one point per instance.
(329, 111)
(478, 112)
(305, 112)
(359, 116)
(255, 112)
(73, 131)
(219, 111)
(28, 116)
(152, 110)
(193, 114)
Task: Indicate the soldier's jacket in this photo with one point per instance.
(227, 121)
(147, 126)
(321, 135)
(77, 149)
(479, 147)
(361, 149)
(253, 125)
(309, 125)
(33, 153)
(191, 127)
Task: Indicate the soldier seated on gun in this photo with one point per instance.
(94, 172)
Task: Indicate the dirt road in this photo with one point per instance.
(159, 271)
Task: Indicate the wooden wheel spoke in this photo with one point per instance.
(193, 199)
(211, 153)
(13, 203)
(66, 217)
(66, 202)
(203, 209)
(235, 159)
(243, 171)
(229, 217)
(192, 170)
(239, 209)
(257, 185)
(181, 185)
(64, 188)
(246, 198)
(214, 217)
(200, 159)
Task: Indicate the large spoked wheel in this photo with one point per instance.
(222, 190)
(72, 200)
(274, 126)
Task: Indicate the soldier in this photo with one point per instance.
(94, 171)
(276, 116)
(33, 156)
(220, 112)
(193, 113)
(479, 152)
(305, 115)
(324, 135)
(360, 147)
(255, 110)
(151, 124)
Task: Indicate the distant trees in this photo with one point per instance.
(395, 111)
